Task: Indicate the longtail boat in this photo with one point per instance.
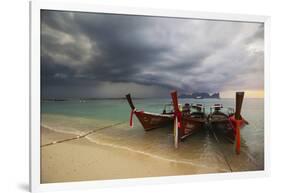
(228, 124)
(186, 121)
(150, 120)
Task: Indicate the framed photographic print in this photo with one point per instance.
(124, 96)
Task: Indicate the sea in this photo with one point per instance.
(109, 118)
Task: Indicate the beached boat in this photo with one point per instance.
(151, 120)
(191, 118)
(188, 120)
(227, 125)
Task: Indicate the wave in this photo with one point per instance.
(122, 147)
(65, 131)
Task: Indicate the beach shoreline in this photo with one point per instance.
(83, 160)
(79, 149)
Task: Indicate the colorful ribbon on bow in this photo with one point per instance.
(236, 125)
(178, 115)
(131, 117)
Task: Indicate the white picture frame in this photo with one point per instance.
(35, 8)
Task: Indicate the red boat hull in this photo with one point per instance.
(191, 125)
(152, 121)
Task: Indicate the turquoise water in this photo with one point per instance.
(78, 117)
(119, 109)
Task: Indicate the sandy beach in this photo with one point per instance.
(80, 160)
(83, 159)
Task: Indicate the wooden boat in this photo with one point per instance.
(150, 120)
(187, 121)
(227, 125)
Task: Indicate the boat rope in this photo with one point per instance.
(83, 135)
(224, 156)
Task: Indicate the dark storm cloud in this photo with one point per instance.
(100, 52)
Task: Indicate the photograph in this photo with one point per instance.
(134, 96)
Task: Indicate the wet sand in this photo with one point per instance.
(80, 160)
(110, 154)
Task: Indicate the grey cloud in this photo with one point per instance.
(85, 50)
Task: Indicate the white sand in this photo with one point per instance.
(80, 160)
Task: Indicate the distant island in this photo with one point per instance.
(200, 95)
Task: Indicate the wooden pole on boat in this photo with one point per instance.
(176, 137)
(177, 122)
(129, 99)
(238, 120)
(239, 101)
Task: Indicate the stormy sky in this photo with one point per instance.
(103, 55)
